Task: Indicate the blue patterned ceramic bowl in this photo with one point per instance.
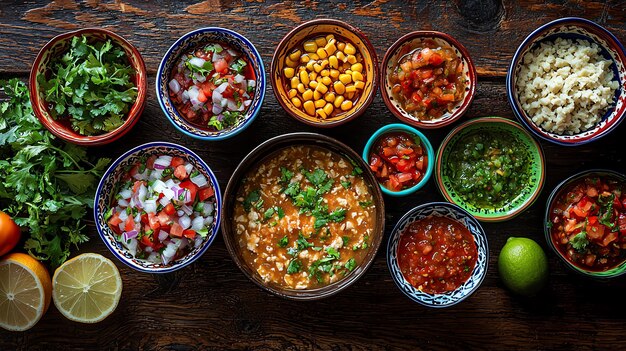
(192, 40)
(107, 189)
(439, 209)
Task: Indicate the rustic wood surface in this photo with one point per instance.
(211, 305)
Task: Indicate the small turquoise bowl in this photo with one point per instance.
(194, 39)
(430, 154)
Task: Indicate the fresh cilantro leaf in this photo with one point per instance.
(345, 240)
(316, 177)
(283, 242)
(285, 175)
(281, 212)
(365, 204)
(295, 266)
(350, 264)
(268, 213)
(252, 198)
(346, 184)
(238, 65)
(332, 252)
(215, 48)
(580, 241)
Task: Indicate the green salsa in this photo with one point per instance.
(488, 169)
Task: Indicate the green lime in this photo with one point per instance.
(523, 266)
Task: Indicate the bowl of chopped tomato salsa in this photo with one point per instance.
(585, 223)
(429, 79)
(437, 254)
(211, 83)
(401, 158)
(157, 207)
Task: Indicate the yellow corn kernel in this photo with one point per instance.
(338, 101)
(324, 64)
(317, 67)
(322, 88)
(330, 36)
(314, 56)
(309, 65)
(349, 96)
(288, 72)
(357, 76)
(341, 56)
(334, 63)
(334, 74)
(310, 46)
(341, 46)
(296, 102)
(321, 41)
(348, 71)
(316, 96)
(312, 76)
(320, 113)
(330, 97)
(309, 107)
(346, 105)
(301, 88)
(320, 103)
(291, 63)
(328, 109)
(351, 59)
(325, 73)
(307, 95)
(330, 48)
(345, 59)
(327, 81)
(295, 56)
(350, 49)
(294, 82)
(350, 89)
(345, 78)
(318, 79)
(292, 93)
(304, 77)
(322, 53)
(357, 67)
(359, 85)
(313, 84)
(305, 58)
(339, 88)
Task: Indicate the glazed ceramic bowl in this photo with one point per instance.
(403, 46)
(56, 47)
(430, 154)
(190, 41)
(257, 156)
(313, 29)
(107, 189)
(561, 190)
(439, 209)
(572, 28)
(536, 168)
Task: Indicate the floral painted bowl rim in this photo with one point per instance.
(328, 21)
(478, 273)
(114, 168)
(530, 41)
(469, 96)
(253, 110)
(136, 108)
(554, 195)
(497, 215)
(429, 152)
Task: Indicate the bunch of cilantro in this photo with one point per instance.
(46, 185)
(91, 84)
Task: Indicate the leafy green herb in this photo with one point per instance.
(345, 240)
(316, 177)
(238, 65)
(205, 70)
(346, 185)
(285, 175)
(269, 213)
(332, 252)
(281, 213)
(251, 199)
(606, 211)
(580, 241)
(228, 119)
(283, 242)
(365, 204)
(302, 243)
(356, 170)
(214, 48)
(295, 266)
(350, 264)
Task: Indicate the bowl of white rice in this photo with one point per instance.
(565, 82)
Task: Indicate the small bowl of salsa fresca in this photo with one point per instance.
(491, 167)
(585, 223)
(401, 158)
(211, 83)
(429, 79)
(438, 254)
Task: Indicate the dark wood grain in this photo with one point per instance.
(212, 306)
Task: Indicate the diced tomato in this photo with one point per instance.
(595, 232)
(419, 164)
(221, 66)
(592, 192)
(133, 171)
(609, 238)
(115, 220)
(416, 96)
(137, 185)
(189, 233)
(177, 161)
(622, 223)
(393, 183)
(404, 166)
(177, 230)
(375, 162)
(130, 224)
(180, 172)
(153, 221)
(405, 177)
(144, 218)
(201, 96)
(145, 240)
(435, 59)
(150, 162)
(169, 209)
(164, 219)
(206, 193)
(578, 212)
(193, 189)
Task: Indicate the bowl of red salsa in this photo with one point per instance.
(401, 158)
(211, 83)
(429, 79)
(585, 223)
(437, 254)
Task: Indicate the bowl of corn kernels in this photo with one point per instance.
(324, 73)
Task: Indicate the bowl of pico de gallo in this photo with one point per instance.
(157, 207)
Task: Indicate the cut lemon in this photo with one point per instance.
(87, 288)
(25, 290)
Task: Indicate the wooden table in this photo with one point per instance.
(211, 304)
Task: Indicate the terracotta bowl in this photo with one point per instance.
(405, 45)
(315, 28)
(57, 46)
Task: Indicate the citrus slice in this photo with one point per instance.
(87, 288)
(25, 291)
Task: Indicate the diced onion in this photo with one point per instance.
(217, 109)
(122, 202)
(126, 193)
(158, 186)
(174, 86)
(216, 57)
(188, 168)
(150, 206)
(207, 209)
(220, 89)
(239, 78)
(252, 83)
(196, 61)
(164, 161)
(164, 201)
(232, 105)
(208, 221)
(247, 103)
(168, 194)
(233, 52)
(184, 222)
(185, 96)
(199, 180)
(163, 235)
(170, 183)
(198, 241)
(199, 77)
(180, 213)
(197, 223)
(186, 209)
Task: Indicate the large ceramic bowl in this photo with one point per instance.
(56, 47)
(192, 40)
(536, 168)
(253, 159)
(439, 209)
(560, 190)
(573, 28)
(315, 28)
(107, 189)
(403, 46)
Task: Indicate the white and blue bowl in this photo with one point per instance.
(107, 188)
(439, 209)
(192, 40)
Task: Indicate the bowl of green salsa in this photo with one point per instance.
(491, 167)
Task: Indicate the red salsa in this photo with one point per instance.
(213, 86)
(437, 254)
(398, 160)
(428, 80)
(589, 223)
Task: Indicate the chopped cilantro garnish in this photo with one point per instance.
(345, 239)
(283, 242)
(365, 204)
(350, 264)
(346, 184)
(252, 198)
(295, 266)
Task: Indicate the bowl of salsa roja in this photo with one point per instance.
(438, 254)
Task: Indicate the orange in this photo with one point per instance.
(9, 234)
